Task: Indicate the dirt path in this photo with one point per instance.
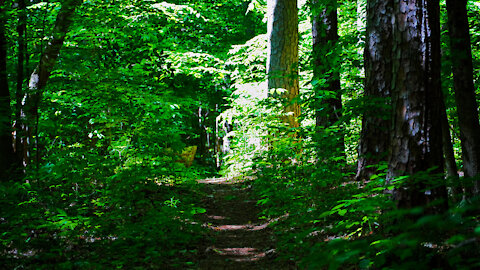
(236, 238)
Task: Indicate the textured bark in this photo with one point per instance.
(416, 99)
(282, 55)
(376, 122)
(6, 148)
(325, 52)
(39, 77)
(467, 106)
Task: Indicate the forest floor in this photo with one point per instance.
(236, 238)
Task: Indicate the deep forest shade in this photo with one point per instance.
(133, 85)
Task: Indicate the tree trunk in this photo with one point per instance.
(376, 122)
(450, 163)
(282, 56)
(6, 140)
(328, 111)
(416, 100)
(41, 74)
(22, 49)
(465, 98)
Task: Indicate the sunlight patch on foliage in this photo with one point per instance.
(177, 13)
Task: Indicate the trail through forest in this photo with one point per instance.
(236, 238)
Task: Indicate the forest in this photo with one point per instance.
(239, 134)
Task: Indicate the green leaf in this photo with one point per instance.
(342, 212)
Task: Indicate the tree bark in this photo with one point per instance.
(282, 56)
(328, 97)
(416, 99)
(6, 140)
(376, 122)
(467, 107)
(39, 77)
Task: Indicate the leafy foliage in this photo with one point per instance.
(138, 82)
(108, 188)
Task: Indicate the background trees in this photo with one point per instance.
(328, 110)
(6, 156)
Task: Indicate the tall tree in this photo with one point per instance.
(328, 96)
(282, 55)
(467, 107)
(21, 61)
(39, 77)
(449, 155)
(376, 122)
(416, 99)
(6, 148)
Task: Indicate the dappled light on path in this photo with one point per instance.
(236, 238)
(247, 227)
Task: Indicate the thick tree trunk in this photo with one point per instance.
(41, 74)
(6, 140)
(467, 106)
(282, 56)
(328, 95)
(376, 122)
(416, 99)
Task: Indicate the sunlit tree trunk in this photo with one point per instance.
(6, 148)
(416, 99)
(282, 56)
(376, 122)
(467, 106)
(39, 77)
(328, 108)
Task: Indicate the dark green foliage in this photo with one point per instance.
(106, 189)
(138, 81)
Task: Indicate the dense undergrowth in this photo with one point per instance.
(138, 82)
(138, 224)
(328, 220)
(109, 193)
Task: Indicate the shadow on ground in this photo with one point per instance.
(236, 238)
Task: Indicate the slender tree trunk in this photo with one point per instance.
(465, 98)
(41, 74)
(282, 56)
(450, 163)
(435, 102)
(22, 49)
(203, 136)
(416, 99)
(328, 109)
(6, 140)
(376, 122)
